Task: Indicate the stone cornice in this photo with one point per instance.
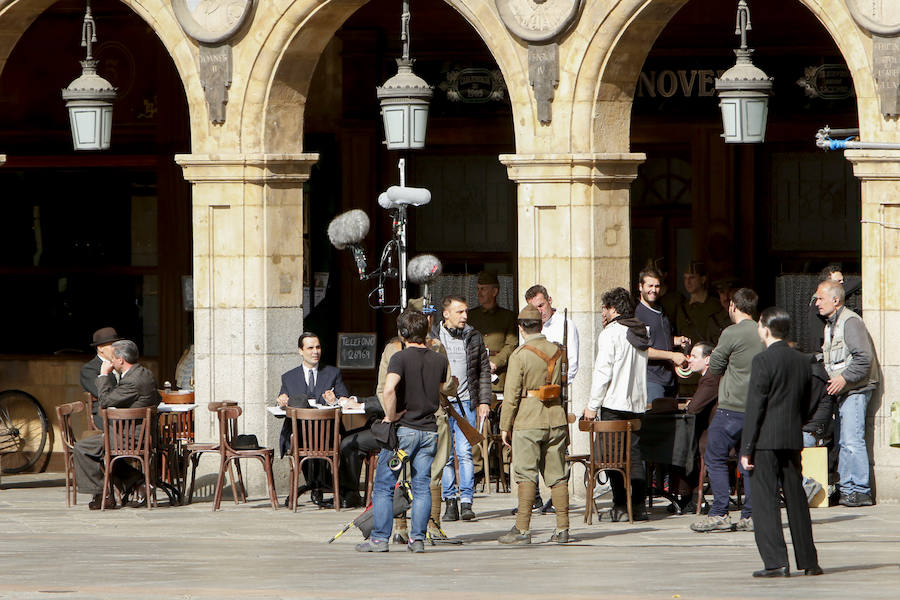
(246, 168)
(874, 165)
(568, 168)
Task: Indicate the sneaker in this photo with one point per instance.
(465, 511)
(373, 546)
(743, 524)
(712, 523)
(560, 536)
(515, 537)
(618, 513)
(401, 537)
(864, 499)
(416, 546)
(452, 511)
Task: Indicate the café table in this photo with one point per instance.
(176, 431)
(667, 439)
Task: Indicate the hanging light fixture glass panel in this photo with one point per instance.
(91, 124)
(744, 118)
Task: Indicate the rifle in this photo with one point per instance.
(564, 363)
(473, 435)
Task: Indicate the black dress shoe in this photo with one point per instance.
(777, 572)
(98, 502)
(351, 501)
(816, 570)
(320, 501)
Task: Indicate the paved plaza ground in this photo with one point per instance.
(249, 551)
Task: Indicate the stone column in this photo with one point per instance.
(248, 285)
(574, 239)
(879, 172)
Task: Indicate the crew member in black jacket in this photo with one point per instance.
(777, 407)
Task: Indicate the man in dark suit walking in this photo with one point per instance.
(310, 383)
(777, 406)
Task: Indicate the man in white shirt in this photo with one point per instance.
(619, 390)
(554, 323)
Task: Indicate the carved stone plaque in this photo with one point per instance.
(538, 20)
(886, 62)
(881, 17)
(215, 75)
(211, 21)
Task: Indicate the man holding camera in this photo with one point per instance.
(411, 397)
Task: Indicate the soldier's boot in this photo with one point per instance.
(402, 531)
(526, 491)
(436, 505)
(559, 494)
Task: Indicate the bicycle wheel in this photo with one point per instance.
(23, 430)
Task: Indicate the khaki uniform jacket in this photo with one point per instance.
(528, 371)
(501, 336)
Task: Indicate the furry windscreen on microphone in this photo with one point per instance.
(348, 228)
(424, 268)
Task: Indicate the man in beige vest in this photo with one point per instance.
(850, 363)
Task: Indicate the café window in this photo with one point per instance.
(80, 251)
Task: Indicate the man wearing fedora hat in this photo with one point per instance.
(102, 341)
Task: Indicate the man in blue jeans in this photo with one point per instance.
(849, 361)
(732, 358)
(470, 365)
(411, 397)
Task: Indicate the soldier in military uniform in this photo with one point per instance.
(497, 325)
(533, 417)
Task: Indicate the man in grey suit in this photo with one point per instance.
(136, 389)
(777, 407)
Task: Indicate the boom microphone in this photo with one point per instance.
(397, 196)
(348, 229)
(424, 268)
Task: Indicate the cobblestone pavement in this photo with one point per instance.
(250, 551)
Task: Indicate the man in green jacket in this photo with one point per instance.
(732, 359)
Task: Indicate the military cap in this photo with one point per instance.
(529, 313)
(487, 278)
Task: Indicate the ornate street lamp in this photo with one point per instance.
(744, 91)
(89, 98)
(404, 99)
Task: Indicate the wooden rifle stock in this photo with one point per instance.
(472, 435)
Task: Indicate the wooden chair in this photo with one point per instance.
(128, 433)
(318, 430)
(228, 416)
(90, 400)
(196, 450)
(492, 446)
(610, 450)
(371, 464)
(64, 414)
(738, 481)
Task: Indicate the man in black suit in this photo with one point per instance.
(310, 383)
(136, 389)
(777, 407)
(103, 341)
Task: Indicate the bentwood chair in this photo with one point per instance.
(371, 464)
(90, 400)
(315, 435)
(196, 450)
(128, 433)
(228, 416)
(610, 450)
(64, 414)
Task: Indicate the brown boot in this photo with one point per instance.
(436, 506)
(559, 493)
(527, 490)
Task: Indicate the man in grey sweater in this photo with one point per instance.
(732, 359)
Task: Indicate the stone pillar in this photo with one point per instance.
(879, 172)
(574, 239)
(248, 286)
